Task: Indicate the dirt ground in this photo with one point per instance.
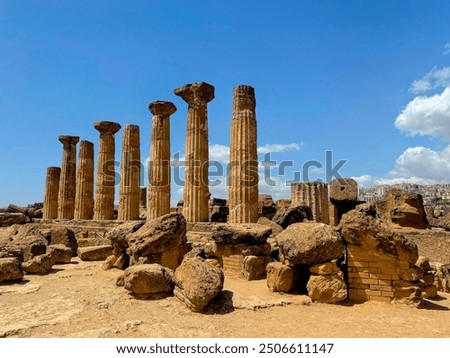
(81, 300)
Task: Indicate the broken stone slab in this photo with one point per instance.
(232, 234)
(8, 219)
(327, 289)
(39, 265)
(60, 254)
(291, 214)
(93, 241)
(309, 244)
(95, 253)
(254, 267)
(429, 291)
(280, 277)
(10, 270)
(148, 279)
(65, 237)
(197, 282)
(327, 268)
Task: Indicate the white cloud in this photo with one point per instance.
(427, 116)
(366, 181)
(446, 49)
(219, 152)
(278, 148)
(436, 78)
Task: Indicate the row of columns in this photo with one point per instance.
(75, 198)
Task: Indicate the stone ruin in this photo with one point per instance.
(321, 242)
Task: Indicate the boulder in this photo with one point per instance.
(276, 229)
(413, 273)
(163, 235)
(343, 189)
(93, 241)
(402, 208)
(95, 253)
(60, 254)
(280, 277)
(39, 265)
(254, 267)
(117, 236)
(33, 245)
(428, 279)
(424, 263)
(327, 289)
(10, 269)
(309, 244)
(150, 278)
(197, 283)
(291, 214)
(408, 292)
(430, 291)
(64, 236)
(266, 206)
(232, 234)
(327, 268)
(8, 219)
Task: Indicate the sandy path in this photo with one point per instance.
(80, 300)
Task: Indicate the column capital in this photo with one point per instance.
(244, 98)
(107, 127)
(68, 139)
(162, 108)
(193, 93)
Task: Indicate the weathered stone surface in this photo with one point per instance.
(411, 273)
(33, 245)
(327, 268)
(10, 269)
(428, 279)
(8, 219)
(327, 289)
(442, 274)
(402, 208)
(266, 206)
(95, 253)
(118, 235)
(39, 265)
(408, 292)
(60, 254)
(254, 267)
(280, 277)
(430, 291)
(84, 193)
(309, 244)
(343, 189)
(315, 195)
(66, 195)
(65, 237)
(161, 235)
(150, 278)
(424, 263)
(252, 234)
(218, 214)
(257, 250)
(361, 227)
(276, 229)
(197, 283)
(287, 215)
(93, 241)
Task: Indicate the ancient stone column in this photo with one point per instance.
(196, 189)
(243, 166)
(159, 166)
(143, 198)
(315, 195)
(130, 174)
(84, 194)
(50, 210)
(66, 196)
(104, 187)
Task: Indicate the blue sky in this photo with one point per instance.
(368, 80)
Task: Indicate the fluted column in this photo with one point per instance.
(50, 210)
(104, 187)
(143, 198)
(130, 174)
(159, 166)
(84, 194)
(314, 195)
(66, 196)
(196, 189)
(243, 166)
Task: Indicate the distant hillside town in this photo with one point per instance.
(431, 194)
